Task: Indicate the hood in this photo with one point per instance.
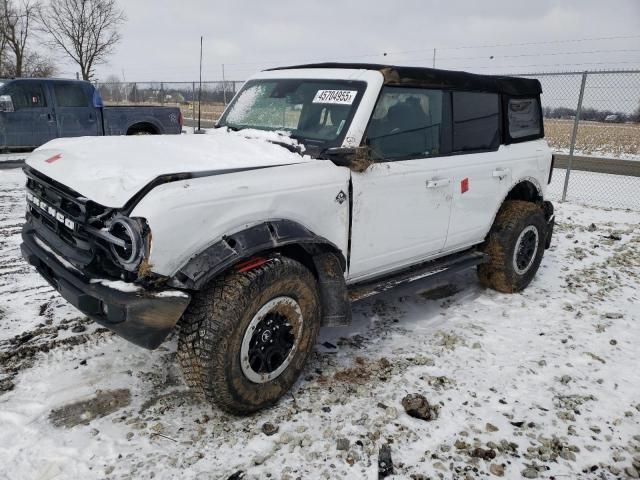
(111, 170)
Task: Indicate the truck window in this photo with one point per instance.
(26, 95)
(524, 117)
(406, 123)
(70, 95)
(476, 121)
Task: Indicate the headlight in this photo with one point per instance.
(130, 250)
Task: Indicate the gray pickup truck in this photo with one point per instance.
(34, 111)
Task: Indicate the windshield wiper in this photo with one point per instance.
(292, 148)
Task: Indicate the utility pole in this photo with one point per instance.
(434, 58)
(199, 130)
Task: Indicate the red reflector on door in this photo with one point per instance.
(464, 185)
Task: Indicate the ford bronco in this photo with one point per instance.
(322, 184)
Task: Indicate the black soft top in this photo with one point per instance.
(436, 78)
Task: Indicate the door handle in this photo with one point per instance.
(438, 182)
(50, 117)
(501, 173)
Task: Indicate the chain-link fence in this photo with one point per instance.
(592, 123)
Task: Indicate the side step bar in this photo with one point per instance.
(434, 270)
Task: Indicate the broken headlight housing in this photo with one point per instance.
(128, 241)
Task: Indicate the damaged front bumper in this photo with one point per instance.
(142, 317)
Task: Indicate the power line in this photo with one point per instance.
(637, 62)
(502, 45)
(549, 54)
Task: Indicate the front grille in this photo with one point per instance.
(62, 217)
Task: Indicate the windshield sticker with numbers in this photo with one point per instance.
(342, 97)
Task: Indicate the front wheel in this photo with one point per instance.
(515, 245)
(245, 340)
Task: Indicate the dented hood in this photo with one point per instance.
(111, 170)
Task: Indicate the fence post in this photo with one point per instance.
(193, 105)
(574, 134)
(161, 93)
(224, 87)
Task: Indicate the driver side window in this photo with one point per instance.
(406, 123)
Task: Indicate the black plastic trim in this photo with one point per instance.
(264, 237)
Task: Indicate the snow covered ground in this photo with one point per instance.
(545, 383)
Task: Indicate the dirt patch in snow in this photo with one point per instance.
(83, 412)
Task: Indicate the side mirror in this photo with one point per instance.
(357, 159)
(6, 103)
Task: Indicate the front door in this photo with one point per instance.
(401, 203)
(32, 122)
(75, 113)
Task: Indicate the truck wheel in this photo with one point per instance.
(515, 245)
(245, 339)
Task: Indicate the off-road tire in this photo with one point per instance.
(213, 326)
(513, 218)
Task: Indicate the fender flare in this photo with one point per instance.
(232, 248)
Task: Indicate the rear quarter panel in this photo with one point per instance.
(186, 217)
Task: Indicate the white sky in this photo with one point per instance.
(161, 37)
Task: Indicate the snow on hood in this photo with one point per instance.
(110, 170)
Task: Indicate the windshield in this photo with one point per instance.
(315, 112)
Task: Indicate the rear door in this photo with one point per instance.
(32, 122)
(75, 114)
(479, 167)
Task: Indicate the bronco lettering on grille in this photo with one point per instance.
(49, 210)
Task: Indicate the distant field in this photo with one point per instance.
(596, 139)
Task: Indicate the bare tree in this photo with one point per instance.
(86, 30)
(16, 22)
(37, 65)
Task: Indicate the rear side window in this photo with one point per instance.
(70, 95)
(406, 123)
(476, 121)
(524, 118)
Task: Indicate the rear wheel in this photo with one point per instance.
(515, 245)
(245, 339)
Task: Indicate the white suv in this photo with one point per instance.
(320, 185)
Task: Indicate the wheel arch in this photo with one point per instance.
(287, 237)
(143, 126)
(527, 189)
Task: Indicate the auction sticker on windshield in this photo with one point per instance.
(343, 97)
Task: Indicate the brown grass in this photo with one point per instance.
(594, 138)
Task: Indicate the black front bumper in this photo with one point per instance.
(142, 317)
